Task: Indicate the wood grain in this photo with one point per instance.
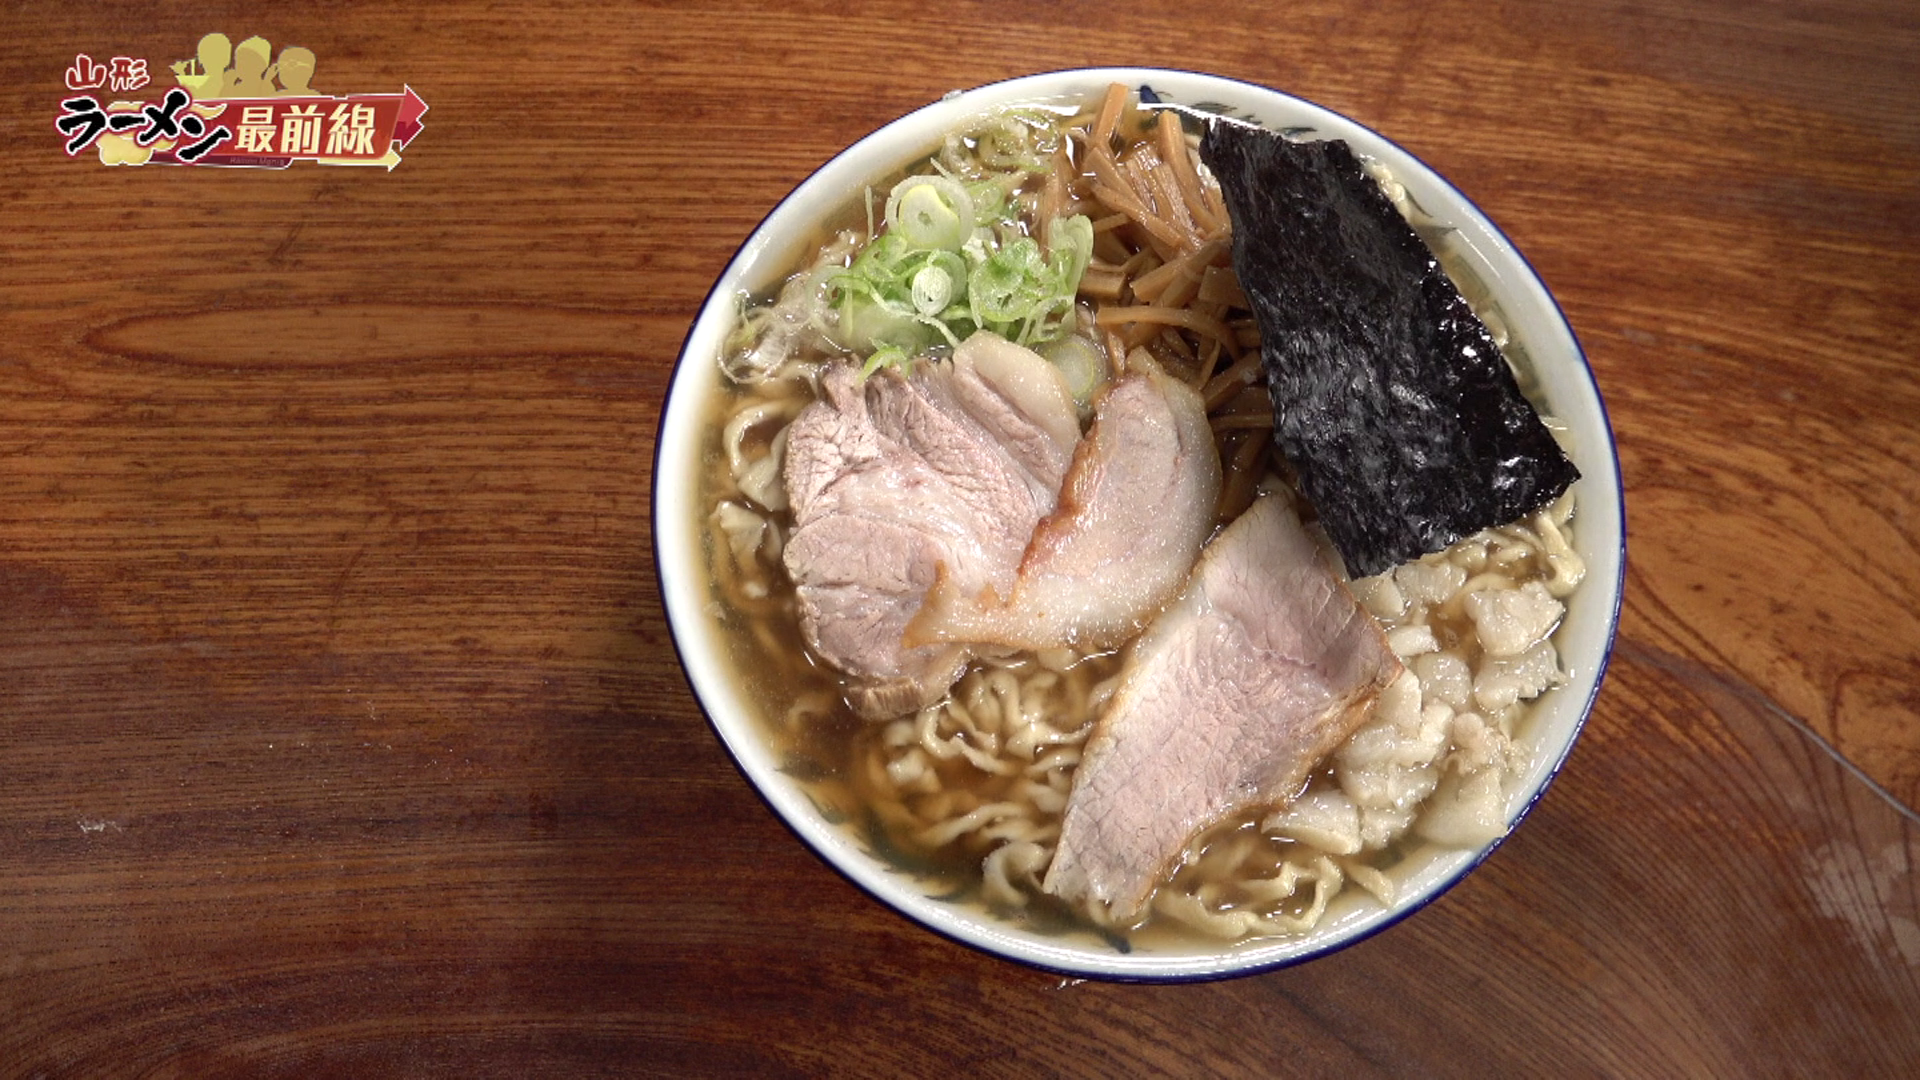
(344, 735)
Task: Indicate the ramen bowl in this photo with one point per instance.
(784, 239)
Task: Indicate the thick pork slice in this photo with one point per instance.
(1229, 700)
(895, 482)
(1137, 505)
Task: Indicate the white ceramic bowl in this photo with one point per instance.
(1535, 321)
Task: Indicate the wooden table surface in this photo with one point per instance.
(342, 731)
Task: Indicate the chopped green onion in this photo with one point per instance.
(930, 213)
(1071, 240)
(932, 290)
(1005, 288)
(887, 356)
(1083, 363)
(955, 257)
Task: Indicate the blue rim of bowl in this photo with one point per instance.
(1138, 78)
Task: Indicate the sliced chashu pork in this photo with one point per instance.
(1137, 506)
(894, 481)
(1255, 673)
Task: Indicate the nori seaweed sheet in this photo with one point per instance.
(1390, 399)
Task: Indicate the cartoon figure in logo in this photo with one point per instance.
(296, 68)
(206, 75)
(252, 75)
